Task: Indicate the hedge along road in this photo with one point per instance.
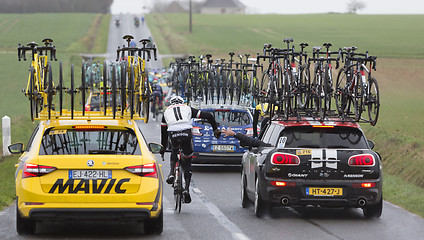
(215, 212)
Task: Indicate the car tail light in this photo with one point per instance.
(283, 184)
(87, 107)
(34, 170)
(363, 160)
(196, 131)
(363, 185)
(322, 126)
(285, 159)
(249, 132)
(147, 170)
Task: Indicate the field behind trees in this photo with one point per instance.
(395, 39)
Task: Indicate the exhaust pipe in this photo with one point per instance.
(362, 202)
(285, 201)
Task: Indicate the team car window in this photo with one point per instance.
(31, 139)
(229, 118)
(102, 141)
(337, 137)
(268, 134)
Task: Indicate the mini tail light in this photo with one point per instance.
(285, 159)
(34, 170)
(147, 170)
(249, 132)
(363, 160)
(363, 185)
(87, 107)
(196, 131)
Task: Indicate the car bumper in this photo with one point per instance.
(296, 195)
(217, 158)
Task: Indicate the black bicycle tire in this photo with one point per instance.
(358, 97)
(373, 82)
(180, 187)
(303, 86)
(60, 88)
(31, 93)
(122, 87)
(114, 92)
(131, 91)
(341, 93)
(286, 95)
(83, 87)
(50, 89)
(72, 91)
(146, 100)
(105, 88)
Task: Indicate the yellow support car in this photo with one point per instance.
(88, 170)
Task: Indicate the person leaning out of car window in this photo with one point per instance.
(244, 139)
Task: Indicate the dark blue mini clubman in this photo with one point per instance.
(225, 150)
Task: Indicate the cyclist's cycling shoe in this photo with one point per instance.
(170, 179)
(186, 196)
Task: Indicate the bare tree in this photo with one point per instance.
(354, 5)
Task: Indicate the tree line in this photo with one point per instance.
(61, 6)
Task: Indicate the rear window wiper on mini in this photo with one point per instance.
(309, 146)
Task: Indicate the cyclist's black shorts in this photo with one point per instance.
(184, 139)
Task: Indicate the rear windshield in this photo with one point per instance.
(104, 141)
(228, 118)
(309, 137)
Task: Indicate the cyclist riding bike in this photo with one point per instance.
(177, 123)
(157, 93)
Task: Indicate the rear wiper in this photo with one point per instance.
(101, 151)
(309, 146)
(337, 146)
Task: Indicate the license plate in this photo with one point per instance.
(313, 191)
(90, 174)
(223, 148)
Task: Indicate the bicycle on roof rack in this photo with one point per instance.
(40, 89)
(135, 76)
(357, 88)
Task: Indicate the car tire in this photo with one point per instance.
(24, 225)
(154, 226)
(374, 211)
(261, 208)
(244, 199)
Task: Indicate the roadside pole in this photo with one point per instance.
(6, 135)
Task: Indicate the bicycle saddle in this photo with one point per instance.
(32, 44)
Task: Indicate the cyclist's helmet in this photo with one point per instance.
(155, 81)
(176, 100)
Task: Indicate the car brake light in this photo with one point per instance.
(88, 127)
(323, 126)
(283, 184)
(285, 159)
(34, 170)
(196, 131)
(363, 185)
(363, 160)
(147, 170)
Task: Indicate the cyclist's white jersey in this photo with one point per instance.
(179, 117)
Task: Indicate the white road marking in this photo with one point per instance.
(235, 231)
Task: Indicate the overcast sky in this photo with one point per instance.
(298, 6)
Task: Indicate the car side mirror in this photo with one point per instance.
(155, 147)
(16, 148)
(371, 144)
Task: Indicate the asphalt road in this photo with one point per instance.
(216, 212)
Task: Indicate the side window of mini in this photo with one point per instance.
(275, 135)
(31, 139)
(268, 133)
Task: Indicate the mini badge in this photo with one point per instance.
(90, 163)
